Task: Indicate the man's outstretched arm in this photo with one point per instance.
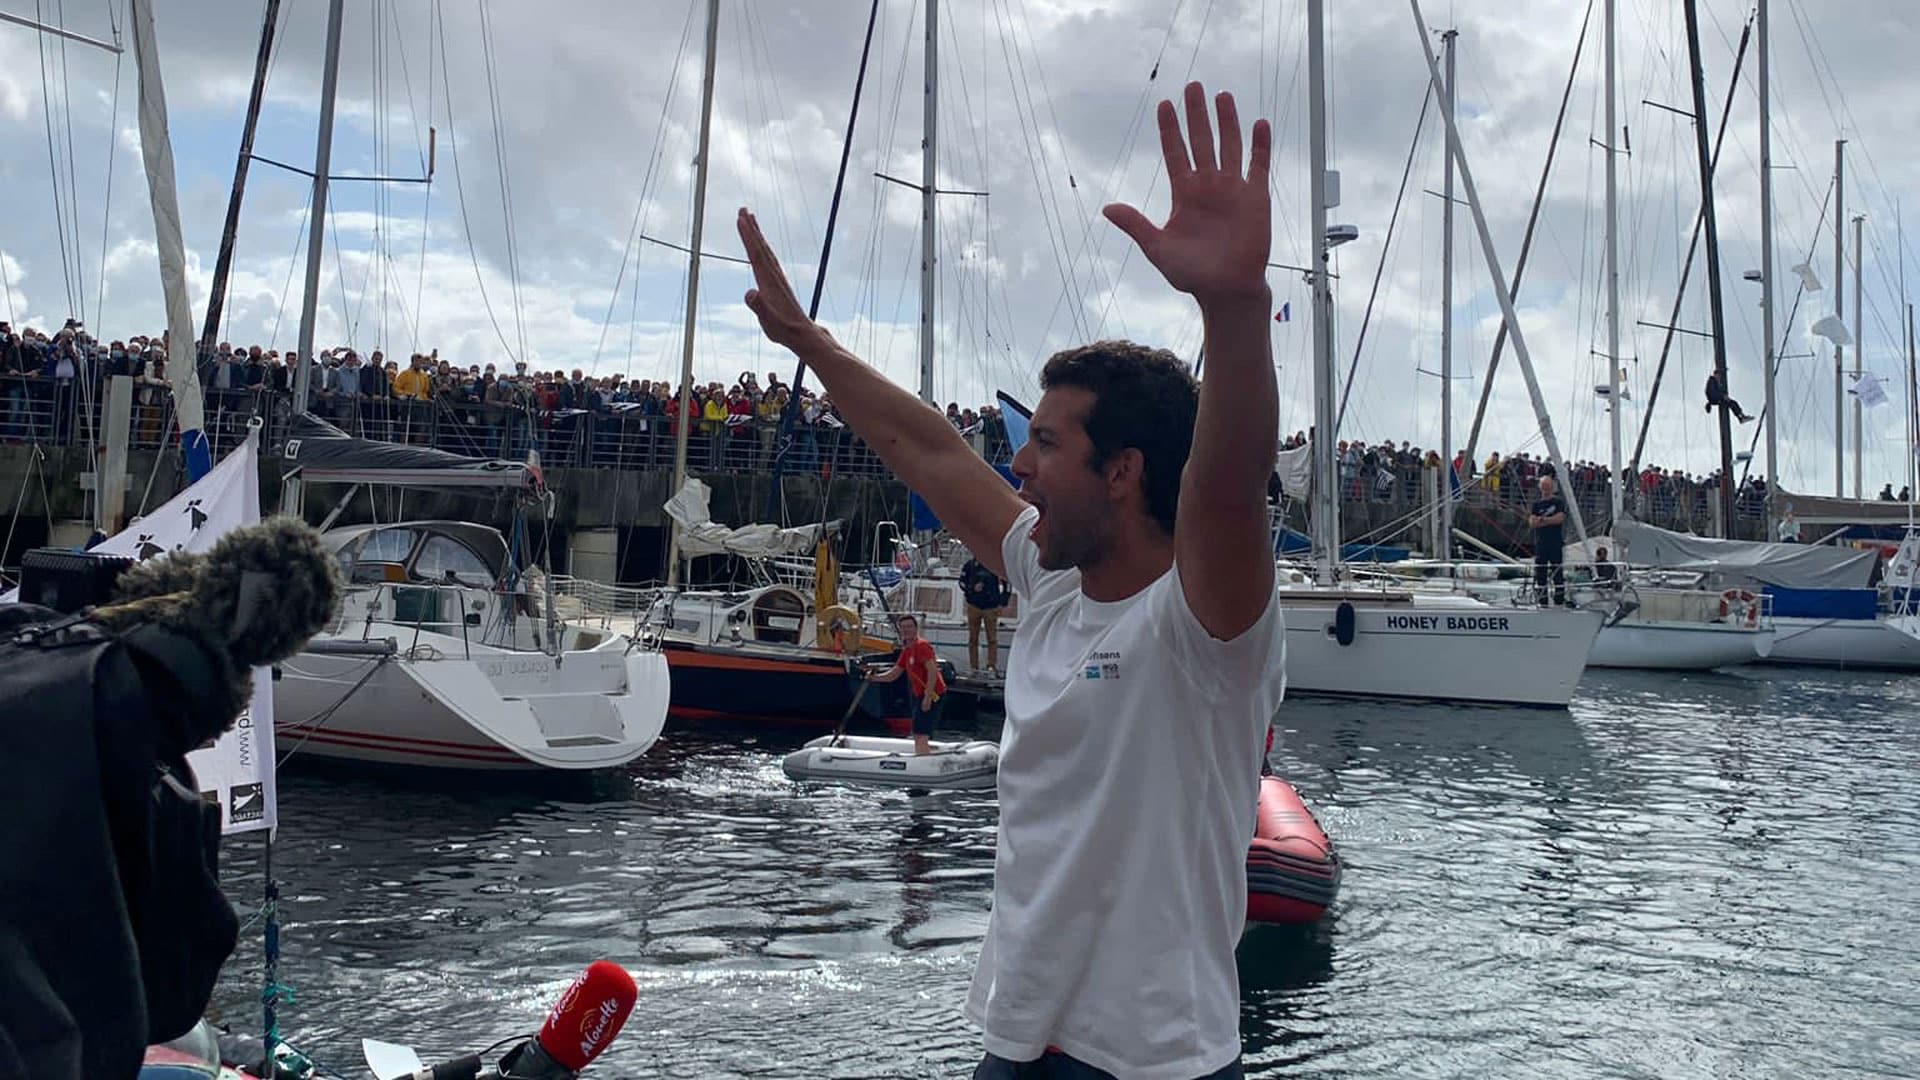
(1214, 248)
(914, 440)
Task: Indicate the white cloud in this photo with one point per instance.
(18, 310)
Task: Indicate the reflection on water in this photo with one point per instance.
(1682, 876)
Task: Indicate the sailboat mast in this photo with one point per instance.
(1447, 40)
(1766, 264)
(1712, 233)
(1326, 521)
(693, 281)
(929, 127)
(1839, 308)
(1859, 368)
(308, 363)
(1913, 417)
(1616, 483)
(223, 263)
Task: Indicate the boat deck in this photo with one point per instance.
(979, 685)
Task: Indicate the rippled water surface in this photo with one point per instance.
(1682, 876)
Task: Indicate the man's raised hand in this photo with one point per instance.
(772, 299)
(1215, 242)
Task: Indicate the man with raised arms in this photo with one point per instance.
(1150, 657)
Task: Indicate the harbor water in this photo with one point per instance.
(1681, 876)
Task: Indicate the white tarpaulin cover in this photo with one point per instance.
(1295, 467)
(701, 535)
(239, 767)
(1868, 388)
(1833, 329)
(1789, 566)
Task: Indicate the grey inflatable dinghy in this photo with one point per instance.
(865, 759)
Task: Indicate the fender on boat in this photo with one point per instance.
(884, 762)
(1344, 623)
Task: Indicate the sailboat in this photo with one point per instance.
(443, 656)
(1824, 604)
(1344, 639)
(772, 653)
(1651, 625)
(1829, 606)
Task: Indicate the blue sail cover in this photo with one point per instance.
(1016, 417)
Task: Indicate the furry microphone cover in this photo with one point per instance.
(255, 598)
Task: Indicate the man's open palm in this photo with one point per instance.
(1215, 241)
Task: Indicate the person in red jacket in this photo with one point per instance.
(921, 666)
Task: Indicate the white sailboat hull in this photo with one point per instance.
(1671, 646)
(1457, 651)
(1888, 643)
(487, 709)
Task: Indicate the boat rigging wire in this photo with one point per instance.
(629, 254)
(506, 177)
(1386, 247)
(1526, 242)
(466, 220)
(106, 206)
(53, 165)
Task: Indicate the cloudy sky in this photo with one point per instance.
(587, 112)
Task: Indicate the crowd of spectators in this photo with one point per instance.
(496, 409)
(1400, 473)
(506, 409)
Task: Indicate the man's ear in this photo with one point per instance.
(1126, 471)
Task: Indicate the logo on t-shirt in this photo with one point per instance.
(1102, 665)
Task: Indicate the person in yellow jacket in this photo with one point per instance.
(414, 383)
(714, 415)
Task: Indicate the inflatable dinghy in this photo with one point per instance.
(1293, 871)
(868, 759)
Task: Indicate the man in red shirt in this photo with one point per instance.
(921, 666)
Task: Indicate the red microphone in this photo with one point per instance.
(580, 1027)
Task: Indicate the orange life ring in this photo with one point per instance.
(1743, 606)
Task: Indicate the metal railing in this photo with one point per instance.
(610, 607)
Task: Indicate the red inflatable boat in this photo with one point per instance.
(1293, 871)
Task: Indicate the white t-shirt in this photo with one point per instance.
(1129, 771)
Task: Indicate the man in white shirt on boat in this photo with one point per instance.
(1151, 650)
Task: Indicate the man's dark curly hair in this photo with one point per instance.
(1142, 398)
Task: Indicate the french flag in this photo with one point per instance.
(1286, 313)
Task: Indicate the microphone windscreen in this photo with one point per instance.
(588, 1015)
(271, 586)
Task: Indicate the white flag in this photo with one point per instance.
(238, 769)
(1831, 328)
(1869, 390)
(1808, 279)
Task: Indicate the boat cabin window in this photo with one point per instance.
(383, 548)
(778, 616)
(935, 600)
(443, 556)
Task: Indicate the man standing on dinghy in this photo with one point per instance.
(1151, 651)
(921, 666)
